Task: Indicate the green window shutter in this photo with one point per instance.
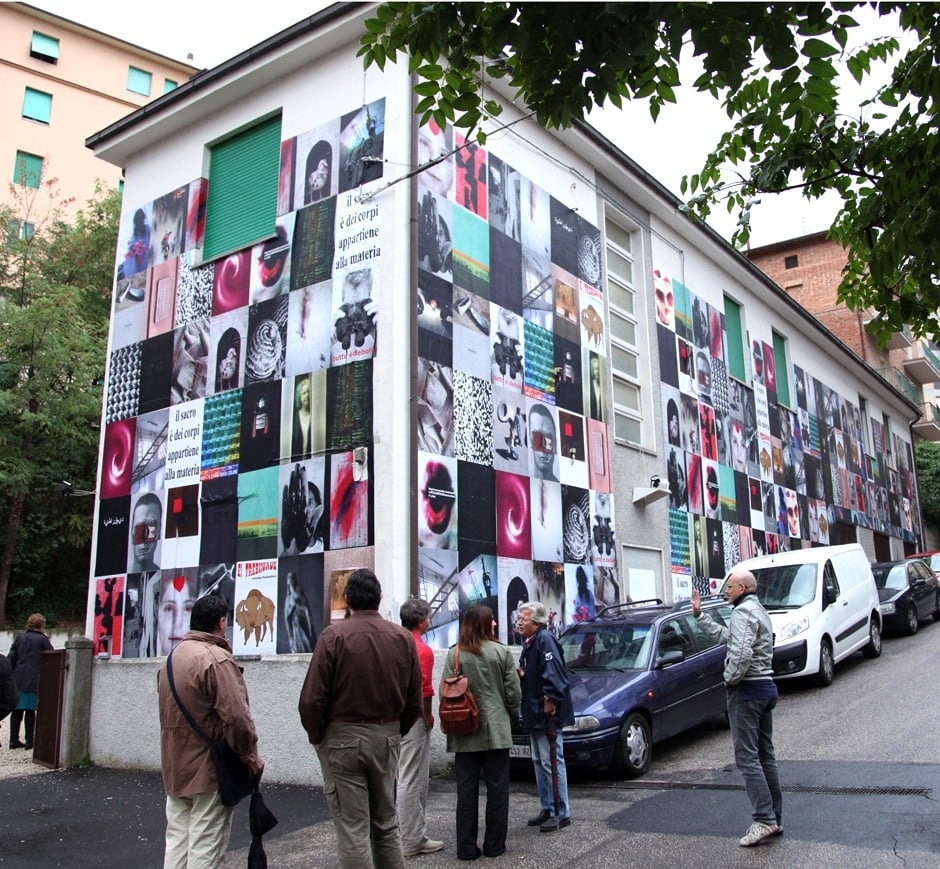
(242, 201)
(736, 357)
(44, 47)
(783, 374)
(27, 169)
(169, 85)
(138, 81)
(37, 106)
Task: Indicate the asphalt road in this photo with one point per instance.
(859, 763)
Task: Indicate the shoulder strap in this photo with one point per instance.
(457, 660)
(186, 713)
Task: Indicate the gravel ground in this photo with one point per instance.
(17, 762)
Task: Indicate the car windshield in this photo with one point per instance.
(786, 585)
(887, 576)
(607, 647)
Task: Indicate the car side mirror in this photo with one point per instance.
(670, 656)
(829, 595)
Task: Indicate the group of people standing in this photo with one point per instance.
(366, 706)
(371, 727)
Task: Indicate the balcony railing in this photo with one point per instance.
(928, 426)
(902, 382)
(924, 365)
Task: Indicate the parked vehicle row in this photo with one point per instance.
(642, 672)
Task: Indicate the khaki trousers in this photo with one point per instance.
(197, 831)
(360, 772)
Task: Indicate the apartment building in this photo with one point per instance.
(61, 82)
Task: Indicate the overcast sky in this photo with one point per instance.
(675, 146)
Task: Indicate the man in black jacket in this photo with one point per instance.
(546, 707)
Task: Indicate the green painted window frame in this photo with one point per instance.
(139, 81)
(241, 205)
(37, 105)
(737, 356)
(169, 85)
(44, 47)
(27, 169)
(782, 369)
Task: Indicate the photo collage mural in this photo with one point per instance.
(513, 465)
(237, 448)
(748, 475)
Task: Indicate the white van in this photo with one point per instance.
(823, 604)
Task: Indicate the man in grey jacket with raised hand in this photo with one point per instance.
(752, 696)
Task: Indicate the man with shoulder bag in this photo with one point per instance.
(210, 687)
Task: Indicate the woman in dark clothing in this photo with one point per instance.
(24, 654)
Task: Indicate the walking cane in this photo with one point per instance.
(553, 757)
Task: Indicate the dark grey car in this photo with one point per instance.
(908, 593)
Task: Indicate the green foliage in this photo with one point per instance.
(927, 456)
(54, 303)
(775, 71)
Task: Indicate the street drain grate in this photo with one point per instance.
(833, 790)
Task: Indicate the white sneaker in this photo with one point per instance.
(757, 832)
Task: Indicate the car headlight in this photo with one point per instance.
(887, 609)
(583, 722)
(791, 629)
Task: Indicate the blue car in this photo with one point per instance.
(640, 673)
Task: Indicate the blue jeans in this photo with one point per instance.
(752, 729)
(542, 760)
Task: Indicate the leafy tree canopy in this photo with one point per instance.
(928, 480)
(54, 305)
(774, 67)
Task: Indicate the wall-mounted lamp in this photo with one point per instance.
(69, 491)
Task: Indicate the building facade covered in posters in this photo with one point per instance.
(489, 372)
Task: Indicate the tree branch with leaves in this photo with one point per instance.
(774, 67)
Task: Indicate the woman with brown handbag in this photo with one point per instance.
(491, 672)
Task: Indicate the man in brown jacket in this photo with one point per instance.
(210, 684)
(361, 695)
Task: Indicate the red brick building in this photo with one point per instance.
(809, 269)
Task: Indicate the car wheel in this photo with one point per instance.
(827, 665)
(910, 621)
(634, 749)
(873, 649)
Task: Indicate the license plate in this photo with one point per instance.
(520, 751)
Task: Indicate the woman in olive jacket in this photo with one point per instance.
(491, 673)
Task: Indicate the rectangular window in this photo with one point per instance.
(37, 105)
(863, 422)
(242, 200)
(44, 47)
(886, 423)
(138, 81)
(17, 229)
(628, 365)
(169, 85)
(782, 367)
(27, 169)
(737, 354)
(791, 262)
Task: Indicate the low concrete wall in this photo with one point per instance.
(125, 728)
